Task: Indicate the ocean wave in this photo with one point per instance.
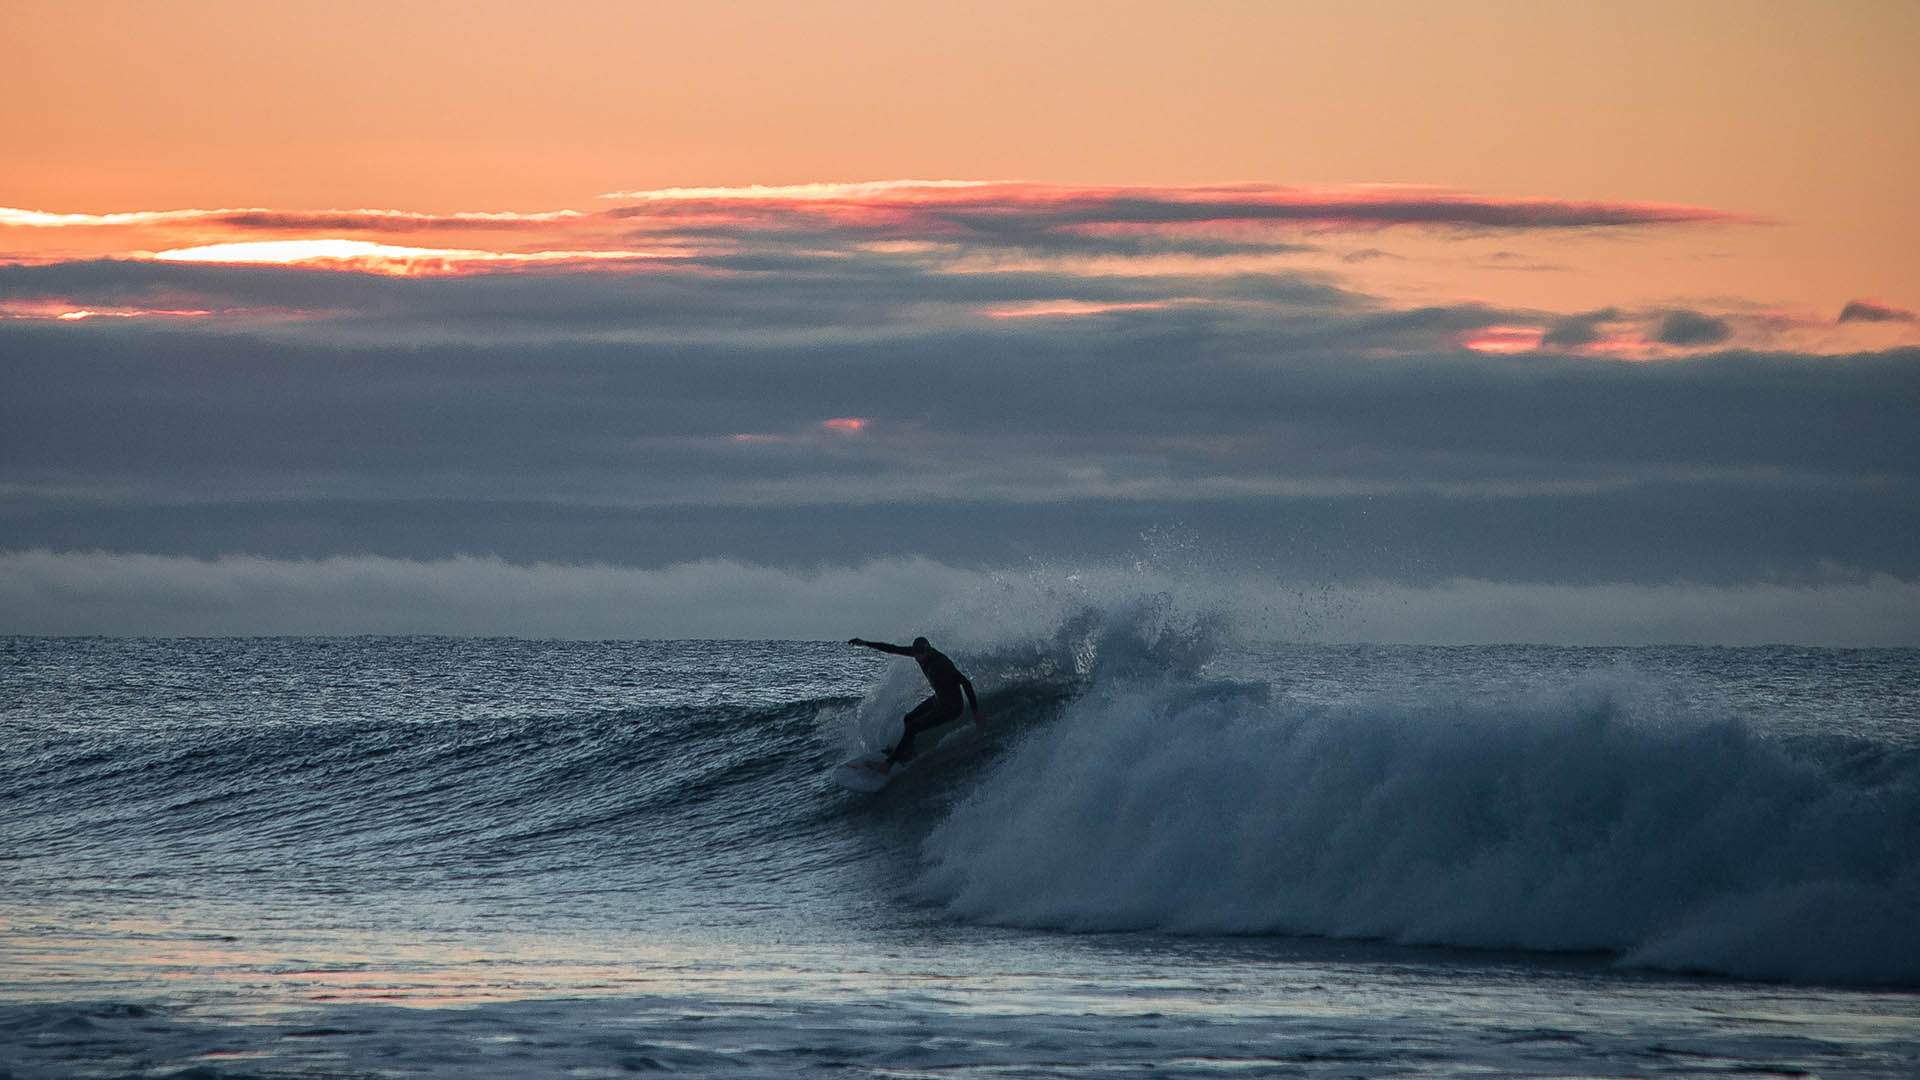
(379, 799)
(1571, 820)
(1122, 783)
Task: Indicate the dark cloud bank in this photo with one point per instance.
(574, 432)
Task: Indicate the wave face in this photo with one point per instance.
(1560, 820)
(495, 779)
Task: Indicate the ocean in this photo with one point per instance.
(1169, 851)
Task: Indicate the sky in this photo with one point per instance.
(1392, 322)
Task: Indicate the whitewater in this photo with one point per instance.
(1174, 849)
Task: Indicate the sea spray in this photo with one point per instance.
(1052, 632)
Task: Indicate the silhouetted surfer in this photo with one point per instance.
(943, 706)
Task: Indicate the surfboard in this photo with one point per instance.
(868, 773)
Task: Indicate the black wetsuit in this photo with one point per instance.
(945, 704)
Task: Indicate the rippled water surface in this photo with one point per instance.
(424, 856)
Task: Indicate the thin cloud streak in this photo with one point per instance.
(93, 593)
(263, 218)
(370, 257)
(391, 220)
(1046, 309)
(69, 313)
(1212, 220)
(804, 192)
(1046, 205)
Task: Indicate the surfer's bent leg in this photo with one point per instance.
(913, 722)
(930, 713)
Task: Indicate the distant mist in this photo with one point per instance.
(43, 592)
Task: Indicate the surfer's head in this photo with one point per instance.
(921, 644)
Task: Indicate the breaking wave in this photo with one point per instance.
(1562, 820)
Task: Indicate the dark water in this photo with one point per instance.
(425, 856)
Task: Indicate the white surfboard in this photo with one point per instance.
(866, 773)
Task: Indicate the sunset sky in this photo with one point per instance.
(1479, 307)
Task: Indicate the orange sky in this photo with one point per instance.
(1802, 114)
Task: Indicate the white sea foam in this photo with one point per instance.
(1574, 820)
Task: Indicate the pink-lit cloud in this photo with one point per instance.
(799, 192)
(393, 259)
(1503, 339)
(855, 260)
(1010, 204)
(1233, 227)
(16, 217)
(263, 218)
(1039, 309)
(1624, 335)
(836, 426)
(389, 220)
(60, 310)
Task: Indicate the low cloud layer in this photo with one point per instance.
(45, 593)
(1015, 414)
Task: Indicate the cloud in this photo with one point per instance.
(988, 370)
(263, 218)
(1128, 403)
(1322, 443)
(1315, 531)
(1873, 311)
(797, 192)
(1035, 309)
(16, 217)
(1503, 339)
(547, 297)
(67, 312)
(815, 262)
(1245, 225)
(369, 257)
(1691, 329)
(47, 593)
(1574, 331)
(386, 220)
(1231, 221)
(1008, 204)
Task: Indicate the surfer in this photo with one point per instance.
(942, 707)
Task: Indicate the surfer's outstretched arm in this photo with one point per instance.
(972, 702)
(897, 650)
